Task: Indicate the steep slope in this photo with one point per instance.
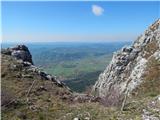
(26, 90)
(134, 69)
(28, 93)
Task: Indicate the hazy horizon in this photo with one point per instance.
(81, 21)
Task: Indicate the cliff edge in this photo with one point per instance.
(134, 69)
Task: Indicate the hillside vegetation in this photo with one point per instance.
(128, 89)
(28, 96)
(79, 64)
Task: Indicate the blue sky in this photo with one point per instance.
(76, 21)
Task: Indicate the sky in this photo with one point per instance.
(90, 21)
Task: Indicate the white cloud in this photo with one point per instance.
(97, 10)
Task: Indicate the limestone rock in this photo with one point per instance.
(125, 71)
(20, 52)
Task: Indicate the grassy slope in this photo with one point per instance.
(151, 78)
(151, 81)
(47, 105)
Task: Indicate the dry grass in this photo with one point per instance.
(151, 82)
(151, 48)
(47, 105)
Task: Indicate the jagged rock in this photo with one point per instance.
(49, 77)
(43, 74)
(76, 118)
(20, 52)
(126, 70)
(127, 49)
(26, 64)
(33, 69)
(87, 118)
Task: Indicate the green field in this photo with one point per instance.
(79, 74)
(71, 69)
(77, 64)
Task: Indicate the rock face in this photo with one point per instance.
(128, 66)
(19, 52)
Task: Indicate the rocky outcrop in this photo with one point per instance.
(23, 56)
(19, 52)
(128, 66)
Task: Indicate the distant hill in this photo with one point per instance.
(72, 61)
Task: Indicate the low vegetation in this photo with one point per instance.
(151, 80)
(47, 101)
(151, 48)
(82, 81)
